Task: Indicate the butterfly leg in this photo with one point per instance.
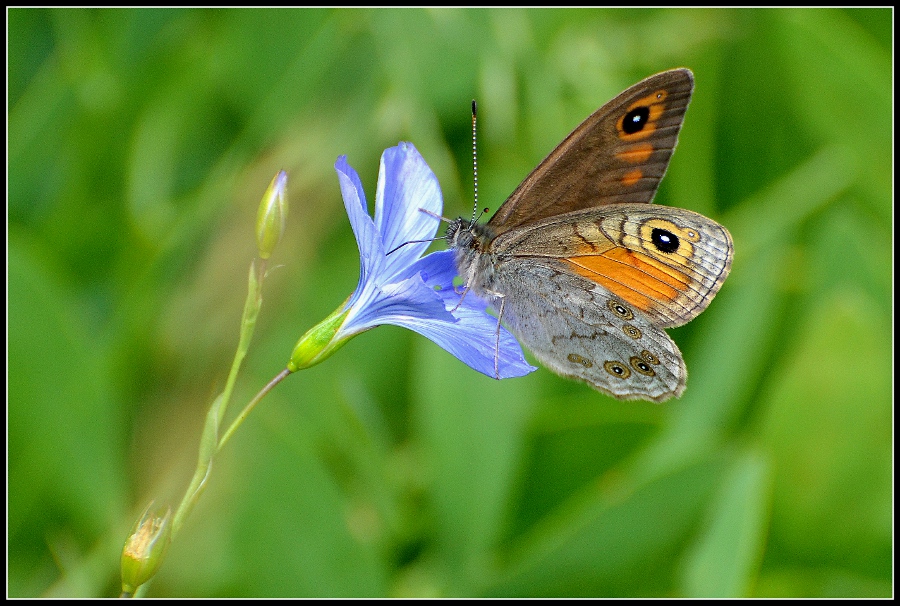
(497, 342)
(463, 296)
(465, 290)
(499, 319)
(502, 298)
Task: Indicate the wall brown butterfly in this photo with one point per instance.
(579, 264)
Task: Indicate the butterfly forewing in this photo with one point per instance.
(617, 155)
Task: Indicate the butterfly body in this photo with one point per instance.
(583, 269)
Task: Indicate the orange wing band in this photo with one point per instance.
(633, 276)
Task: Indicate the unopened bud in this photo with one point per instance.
(272, 215)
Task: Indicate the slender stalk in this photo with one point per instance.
(209, 440)
(247, 409)
(248, 324)
(145, 548)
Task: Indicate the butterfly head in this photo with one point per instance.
(464, 234)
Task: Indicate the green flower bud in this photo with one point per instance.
(145, 548)
(320, 341)
(272, 215)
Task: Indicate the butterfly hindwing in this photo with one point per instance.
(580, 330)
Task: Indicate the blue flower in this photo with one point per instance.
(403, 288)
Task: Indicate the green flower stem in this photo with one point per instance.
(316, 345)
(248, 324)
(240, 419)
(209, 441)
(145, 548)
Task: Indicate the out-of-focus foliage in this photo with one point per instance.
(139, 144)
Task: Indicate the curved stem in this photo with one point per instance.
(250, 406)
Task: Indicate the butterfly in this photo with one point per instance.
(579, 264)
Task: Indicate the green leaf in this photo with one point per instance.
(726, 557)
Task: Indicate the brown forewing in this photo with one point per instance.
(598, 163)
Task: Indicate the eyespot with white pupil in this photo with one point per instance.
(620, 310)
(641, 366)
(635, 120)
(576, 359)
(664, 240)
(617, 369)
(649, 357)
(632, 331)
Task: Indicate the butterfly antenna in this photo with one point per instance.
(414, 242)
(427, 212)
(475, 215)
(474, 158)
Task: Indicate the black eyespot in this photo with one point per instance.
(632, 331)
(635, 120)
(619, 309)
(617, 369)
(641, 366)
(664, 240)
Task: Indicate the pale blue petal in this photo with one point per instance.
(405, 184)
(394, 303)
(473, 339)
(371, 253)
(438, 270)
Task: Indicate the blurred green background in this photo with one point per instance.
(140, 142)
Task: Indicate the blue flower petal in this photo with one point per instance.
(371, 252)
(473, 339)
(397, 303)
(438, 270)
(406, 184)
